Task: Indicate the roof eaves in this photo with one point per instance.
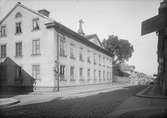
(63, 29)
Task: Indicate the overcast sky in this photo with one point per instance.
(105, 17)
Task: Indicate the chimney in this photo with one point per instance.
(44, 12)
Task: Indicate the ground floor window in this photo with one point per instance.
(107, 75)
(36, 71)
(88, 75)
(103, 75)
(62, 73)
(110, 75)
(72, 73)
(99, 75)
(94, 75)
(81, 74)
(18, 73)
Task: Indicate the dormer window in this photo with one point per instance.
(18, 28)
(18, 15)
(3, 31)
(35, 24)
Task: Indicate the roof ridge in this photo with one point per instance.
(25, 7)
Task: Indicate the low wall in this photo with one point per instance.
(118, 79)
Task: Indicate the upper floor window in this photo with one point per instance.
(88, 58)
(103, 61)
(36, 47)
(72, 53)
(62, 45)
(19, 49)
(99, 60)
(18, 15)
(18, 28)
(35, 24)
(3, 51)
(81, 55)
(94, 58)
(3, 31)
(36, 71)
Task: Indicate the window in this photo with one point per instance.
(18, 73)
(18, 15)
(107, 75)
(99, 75)
(3, 31)
(103, 61)
(88, 74)
(95, 59)
(18, 28)
(81, 55)
(62, 47)
(36, 71)
(19, 49)
(72, 73)
(72, 53)
(3, 51)
(36, 47)
(94, 75)
(103, 75)
(62, 73)
(88, 58)
(110, 75)
(99, 60)
(81, 74)
(35, 24)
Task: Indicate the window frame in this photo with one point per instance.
(18, 50)
(36, 47)
(36, 74)
(3, 53)
(18, 28)
(3, 31)
(35, 24)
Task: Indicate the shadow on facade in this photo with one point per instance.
(14, 79)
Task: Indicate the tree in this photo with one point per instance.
(120, 48)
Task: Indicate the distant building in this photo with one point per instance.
(42, 47)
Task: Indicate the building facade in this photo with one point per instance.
(49, 52)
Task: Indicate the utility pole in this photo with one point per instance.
(58, 87)
(158, 23)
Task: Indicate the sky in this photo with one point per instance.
(105, 17)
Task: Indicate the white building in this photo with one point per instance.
(39, 45)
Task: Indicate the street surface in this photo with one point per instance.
(79, 105)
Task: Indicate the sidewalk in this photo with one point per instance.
(66, 93)
(145, 104)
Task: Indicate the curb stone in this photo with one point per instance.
(8, 101)
(141, 94)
